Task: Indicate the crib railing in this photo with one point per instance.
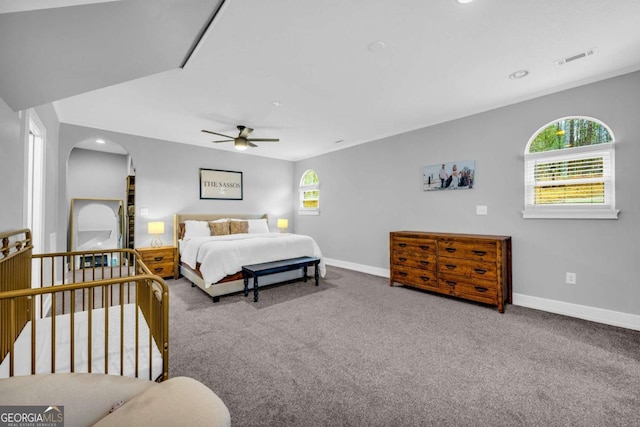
(71, 282)
(15, 274)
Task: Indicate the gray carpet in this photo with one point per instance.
(356, 352)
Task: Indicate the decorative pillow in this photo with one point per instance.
(196, 229)
(219, 228)
(238, 227)
(258, 226)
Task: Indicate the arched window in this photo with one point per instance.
(309, 193)
(569, 170)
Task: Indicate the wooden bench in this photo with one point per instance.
(266, 268)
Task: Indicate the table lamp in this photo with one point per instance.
(283, 223)
(156, 228)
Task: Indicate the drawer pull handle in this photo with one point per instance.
(402, 259)
(451, 283)
(481, 289)
(403, 274)
(451, 266)
(157, 269)
(424, 262)
(424, 278)
(480, 271)
(424, 247)
(479, 253)
(450, 250)
(158, 258)
(402, 245)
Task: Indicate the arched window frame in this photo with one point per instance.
(567, 210)
(305, 191)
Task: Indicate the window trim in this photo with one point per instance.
(571, 211)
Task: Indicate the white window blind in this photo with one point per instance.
(579, 180)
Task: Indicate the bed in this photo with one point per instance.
(59, 315)
(213, 260)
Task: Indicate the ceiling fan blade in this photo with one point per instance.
(251, 144)
(244, 131)
(224, 140)
(216, 133)
(264, 139)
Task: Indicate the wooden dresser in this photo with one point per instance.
(162, 261)
(471, 266)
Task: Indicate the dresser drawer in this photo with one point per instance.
(477, 291)
(158, 257)
(472, 250)
(416, 246)
(468, 268)
(415, 277)
(161, 269)
(450, 279)
(410, 259)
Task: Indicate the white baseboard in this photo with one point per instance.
(594, 314)
(375, 271)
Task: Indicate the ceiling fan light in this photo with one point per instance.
(241, 145)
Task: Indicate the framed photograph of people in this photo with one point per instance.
(459, 175)
(220, 184)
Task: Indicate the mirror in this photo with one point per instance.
(96, 224)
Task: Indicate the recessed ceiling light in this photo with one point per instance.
(377, 46)
(519, 74)
(100, 141)
(464, 1)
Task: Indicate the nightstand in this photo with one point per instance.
(161, 261)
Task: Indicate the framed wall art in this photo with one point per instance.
(458, 175)
(220, 184)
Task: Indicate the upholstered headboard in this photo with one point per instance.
(180, 218)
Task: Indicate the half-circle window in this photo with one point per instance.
(309, 193)
(569, 170)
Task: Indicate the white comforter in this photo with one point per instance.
(220, 256)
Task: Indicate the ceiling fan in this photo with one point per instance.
(242, 141)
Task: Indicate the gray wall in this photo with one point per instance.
(96, 174)
(167, 180)
(372, 189)
(12, 171)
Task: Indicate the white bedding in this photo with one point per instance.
(22, 346)
(220, 256)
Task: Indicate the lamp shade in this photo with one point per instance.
(283, 223)
(155, 227)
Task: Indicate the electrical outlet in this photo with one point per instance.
(571, 278)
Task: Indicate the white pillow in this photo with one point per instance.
(258, 226)
(196, 229)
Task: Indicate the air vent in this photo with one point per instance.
(576, 57)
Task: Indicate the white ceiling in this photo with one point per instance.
(442, 60)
